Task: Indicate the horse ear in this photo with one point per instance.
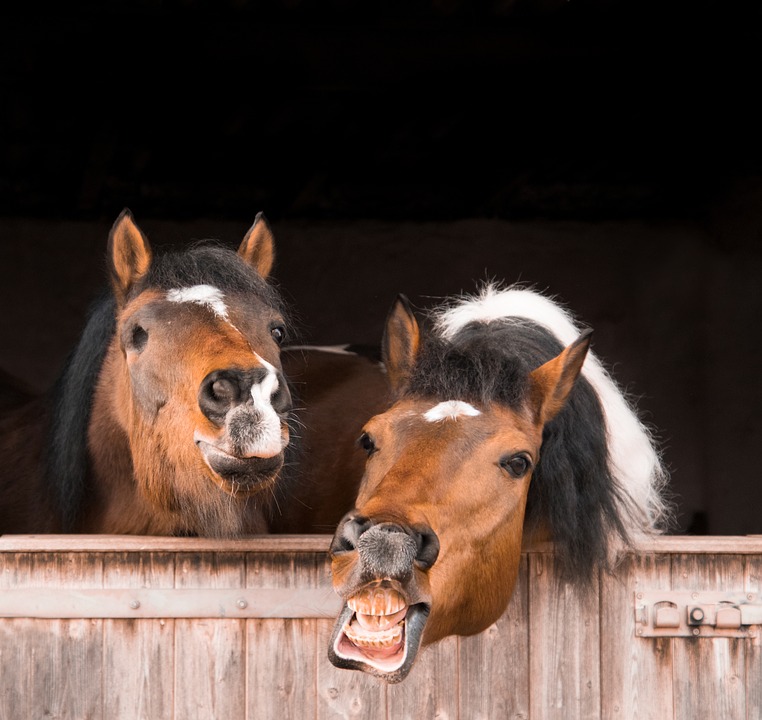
(400, 342)
(553, 381)
(258, 247)
(129, 254)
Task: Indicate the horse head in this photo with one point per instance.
(191, 407)
(433, 545)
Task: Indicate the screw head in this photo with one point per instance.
(242, 604)
(134, 604)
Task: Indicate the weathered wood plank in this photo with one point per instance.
(346, 693)
(282, 672)
(564, 654)
(16, 645)
(636, 673)
(431, 688)
(16, 701)
(160, 543)
(708, 673)
(136, 603)
(504, 645)
(50, 668)
(138, 655)
(713, 545)
(753, 679)
(210, 654)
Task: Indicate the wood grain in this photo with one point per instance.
(554, 655)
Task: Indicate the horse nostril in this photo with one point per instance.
(428, 547)
(219, 391)
(223, 391)
(281, 398)
(348, 533)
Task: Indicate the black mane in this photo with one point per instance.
(66, 463)
(207, 263)
(66, 456)
(572, 490)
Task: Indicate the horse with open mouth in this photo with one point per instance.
(501, 390)
(172, 414)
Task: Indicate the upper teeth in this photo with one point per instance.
(377, 601)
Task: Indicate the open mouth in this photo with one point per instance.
(378, 632)
(237, 475)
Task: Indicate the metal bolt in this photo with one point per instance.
(134, 604)
(242, 604)
(697, 614)
(696, 631)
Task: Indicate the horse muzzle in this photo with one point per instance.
(379, 570)
(240, 475)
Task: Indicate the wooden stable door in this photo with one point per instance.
(106, 628)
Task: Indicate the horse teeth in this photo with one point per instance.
(373, 640)
(377, 601)
(379, 623)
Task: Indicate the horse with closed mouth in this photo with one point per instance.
(172, 414)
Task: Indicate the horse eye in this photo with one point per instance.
(138, 338)
(365, 441)
(516, 465)
(279, 334)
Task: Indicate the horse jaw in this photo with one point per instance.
(382, 644)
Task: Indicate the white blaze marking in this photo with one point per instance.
(450, 410)
(269, 440)
(206, 295)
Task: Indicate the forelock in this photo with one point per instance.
(472, 367)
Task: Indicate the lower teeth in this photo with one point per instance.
(376, 641)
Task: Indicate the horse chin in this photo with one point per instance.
(386, 649)
(240, 476)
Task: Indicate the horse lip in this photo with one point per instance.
(209, 449)
(237, 472)
(415, 622)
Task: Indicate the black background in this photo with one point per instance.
(607, 151)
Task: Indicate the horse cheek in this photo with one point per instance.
(148, 390)
(474, 579)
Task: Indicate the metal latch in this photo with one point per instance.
(676, 613)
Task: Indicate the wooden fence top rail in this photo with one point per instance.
(712, 544)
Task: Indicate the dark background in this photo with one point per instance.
(606, 151)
